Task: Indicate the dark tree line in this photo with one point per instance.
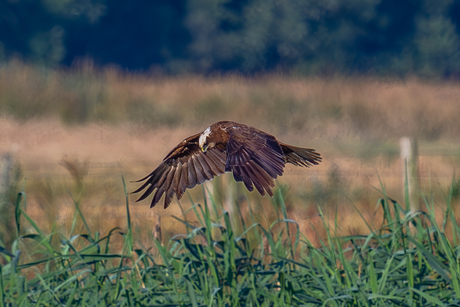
(383, 37)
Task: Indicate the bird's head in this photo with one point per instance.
(203, 142)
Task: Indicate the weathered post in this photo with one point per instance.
(409, 158)
(157, 229)
(6, 208)
(5, 171)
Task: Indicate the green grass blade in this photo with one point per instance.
(43, 239)
(430, 299)
(434, 263)
(71, 279)
(17, 213)
(129, 236)
(191, 294)
(128, 215)
(2, 289)
(372, 276)
(77, 208)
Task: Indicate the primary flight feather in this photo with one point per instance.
(253, 156)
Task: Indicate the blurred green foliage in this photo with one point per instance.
(327, 37)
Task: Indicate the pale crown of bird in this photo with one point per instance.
(203, 137)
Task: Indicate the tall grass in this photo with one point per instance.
(409, 261)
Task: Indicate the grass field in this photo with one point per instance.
(408, 261)
(72, 134)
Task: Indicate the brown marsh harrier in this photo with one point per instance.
(253, 156)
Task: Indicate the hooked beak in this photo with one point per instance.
(204, 148)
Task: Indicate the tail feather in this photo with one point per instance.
(300, 156)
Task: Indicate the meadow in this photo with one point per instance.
(71, 135)
(408, 261)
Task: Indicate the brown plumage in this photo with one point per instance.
(254, 157)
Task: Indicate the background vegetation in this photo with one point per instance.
(374, 37)
(364, 107)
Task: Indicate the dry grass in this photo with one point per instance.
(335, 108)
(119, 122)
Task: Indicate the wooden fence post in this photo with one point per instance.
(411, 180)
(157, 229)
(7, 233)
(5, 172)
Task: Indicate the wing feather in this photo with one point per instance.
(184, 167)
(216, 167)
(244, 177)
(157, 196)
(192, 179)
(256, 158)
(146, 193)
(154, 176)
(257, 182)
(165, 183)
(169, 179)
(264, 176)
(221, 156)
(247, 178)
(271, 168)
(198, 170)
(162, 180)
(177, 177)
(263, 179)
(183, 183)
(169, 195)
(205, 167)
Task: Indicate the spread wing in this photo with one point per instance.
(256, 158)
(183, 168)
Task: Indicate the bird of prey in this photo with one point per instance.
(253, 156)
